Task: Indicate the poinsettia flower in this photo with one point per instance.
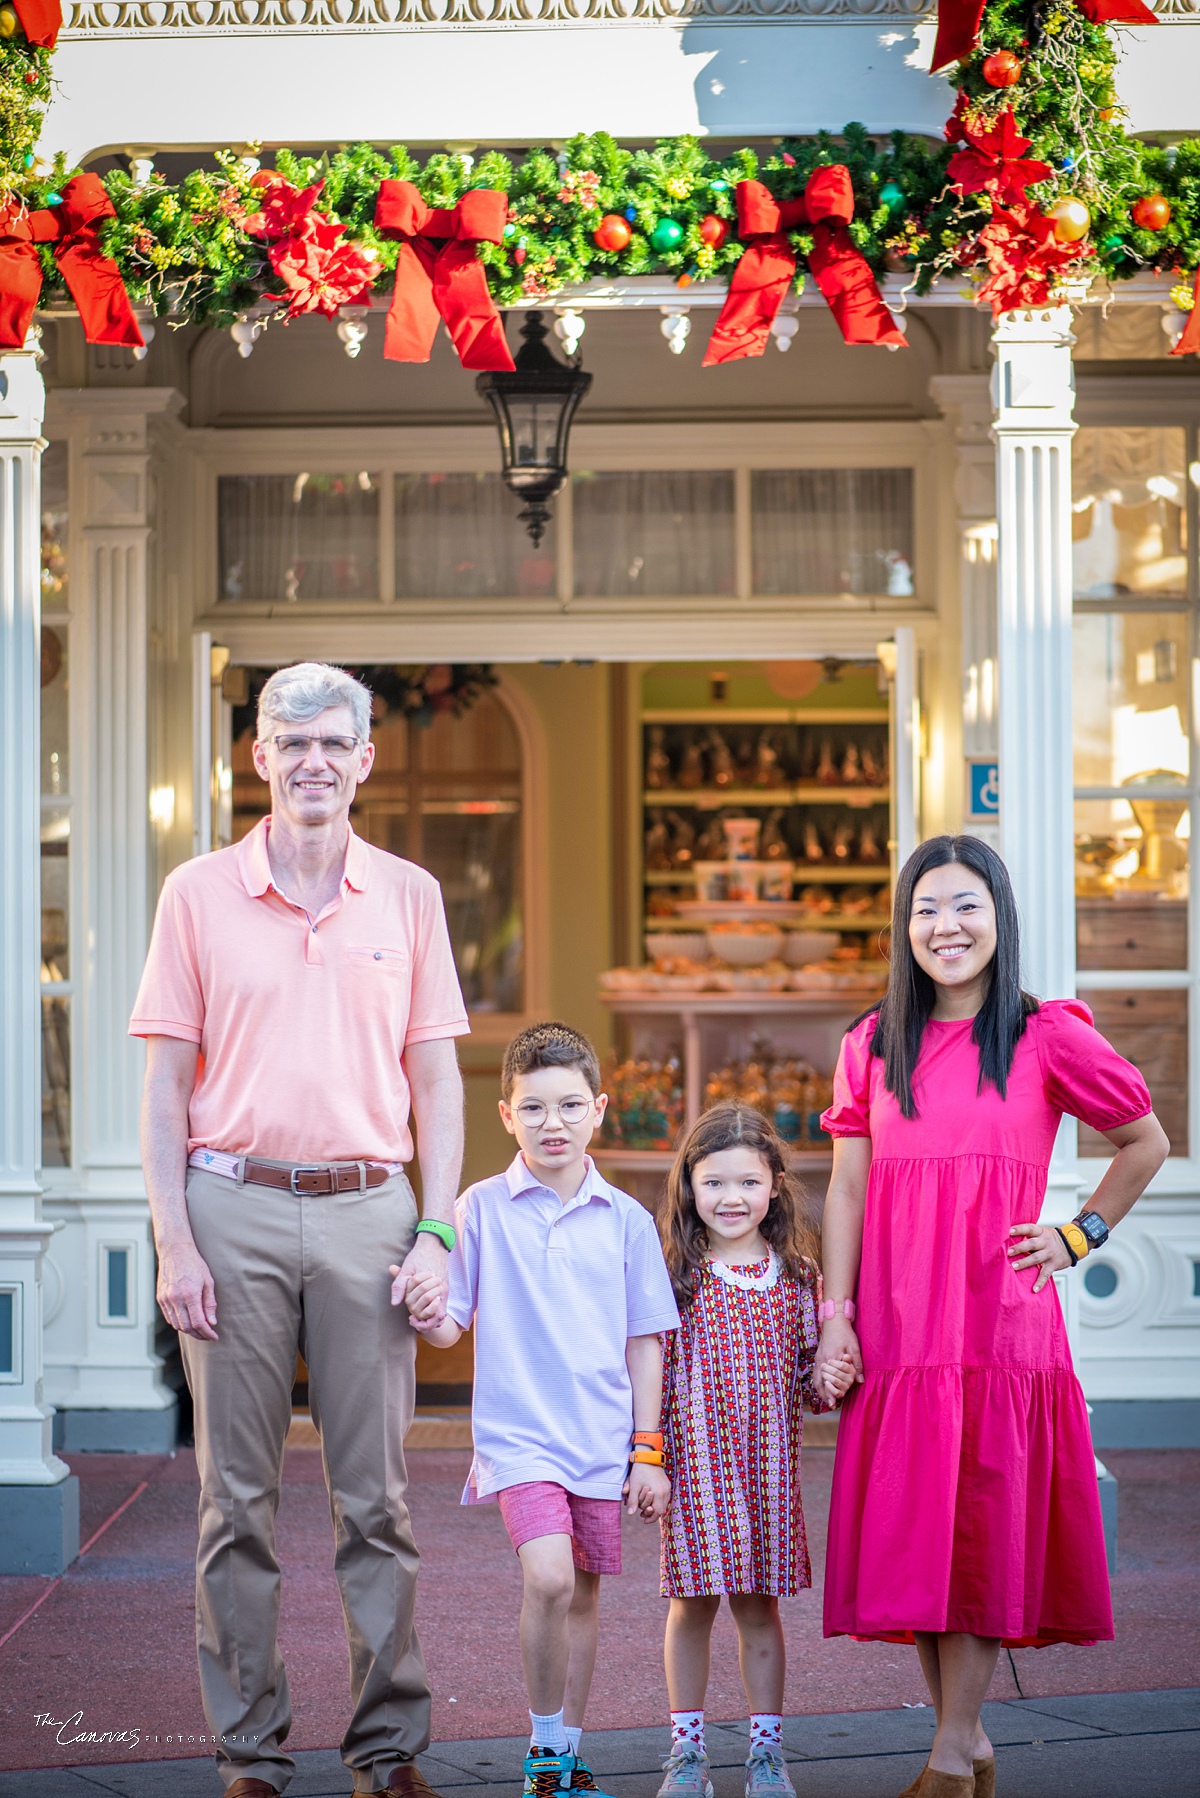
(319, 276)
(995, 162)
(283, 207)
(953, 132)
(1022, 253)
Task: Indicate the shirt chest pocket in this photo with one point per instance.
(374, 964)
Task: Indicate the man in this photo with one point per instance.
(299, 996)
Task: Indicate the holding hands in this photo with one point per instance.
(839, 1360)
(647, 1492)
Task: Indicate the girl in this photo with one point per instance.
(965, 1511)
(742, 1254)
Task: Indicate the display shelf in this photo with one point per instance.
(783, 714)
(815, 873)
(712, 799)
(794, 918)
(701, 1005)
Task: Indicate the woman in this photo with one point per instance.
(965, 1509)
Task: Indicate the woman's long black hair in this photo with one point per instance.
(909, 1001)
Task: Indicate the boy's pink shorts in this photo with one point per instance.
(542, 1508)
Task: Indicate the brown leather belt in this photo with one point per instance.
(307, 1179)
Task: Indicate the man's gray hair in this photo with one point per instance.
(297, 694)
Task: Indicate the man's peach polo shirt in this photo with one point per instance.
(302, 1023)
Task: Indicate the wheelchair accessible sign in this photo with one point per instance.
(983, 791)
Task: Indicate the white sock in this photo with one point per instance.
(548, 1732)
(574, 1735)
(766, 1730)
(687, 1730)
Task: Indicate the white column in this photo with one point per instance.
(966, 401)
(105, 1372)
(39, 1499)
(1033, 390)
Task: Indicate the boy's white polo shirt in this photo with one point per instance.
(554, 1292)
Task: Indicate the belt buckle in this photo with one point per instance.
(315, 1168)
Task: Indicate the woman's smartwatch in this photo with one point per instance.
(445, 1233)
(1093, 1227)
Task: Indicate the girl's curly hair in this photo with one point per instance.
(788, 1225)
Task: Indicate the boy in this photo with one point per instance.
(565, 1281)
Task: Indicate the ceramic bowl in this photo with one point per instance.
(667, 945)
(802, 946)
(746, 949)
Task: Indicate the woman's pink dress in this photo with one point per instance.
(964, 1490)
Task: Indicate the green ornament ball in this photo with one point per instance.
(1113, 242)
(28, 159)
(892, 195)
(667, 235)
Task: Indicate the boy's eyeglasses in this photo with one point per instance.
(334, 747)
(533, 1113)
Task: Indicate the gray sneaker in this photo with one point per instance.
(686, 1775)
(767, 1775)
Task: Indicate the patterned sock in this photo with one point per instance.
(574, 1735)
(766, 1730)
(687, 1730)
(548, 1732)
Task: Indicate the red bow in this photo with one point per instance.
(768, 264)
(439, 275)
(41, 21)
(93, 279)
(1189, 343)
(959, 20)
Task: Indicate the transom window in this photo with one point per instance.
(791, 533)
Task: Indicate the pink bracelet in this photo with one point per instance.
(831, 1307)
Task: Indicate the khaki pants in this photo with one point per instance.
(307, 1273)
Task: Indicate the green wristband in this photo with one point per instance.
(445, 1233)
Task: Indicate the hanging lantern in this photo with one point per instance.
(1072, 220)
(534, 406)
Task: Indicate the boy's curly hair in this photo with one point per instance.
(788, 1225)
(548, 1045)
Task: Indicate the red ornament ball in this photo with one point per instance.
(1002, 69)
(713, 230)
(1152, 212)
(612, 233)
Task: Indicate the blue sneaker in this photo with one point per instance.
(583, 1780)
(548, 1772)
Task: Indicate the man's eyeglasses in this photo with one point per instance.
(336, 748)
(533, 1113)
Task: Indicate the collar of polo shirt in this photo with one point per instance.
(255, 866)
(520, 1179)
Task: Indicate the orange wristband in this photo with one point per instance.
(648, 1457)
(651, 1438)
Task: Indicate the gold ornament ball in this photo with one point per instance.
(1072, 220)
(8, 22)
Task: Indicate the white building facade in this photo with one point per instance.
(1045, 640)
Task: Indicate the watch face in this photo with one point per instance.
(1093, 1227)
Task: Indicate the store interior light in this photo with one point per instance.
(162, 807)
(1162, 487)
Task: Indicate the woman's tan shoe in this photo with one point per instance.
(985, 1778)
(910, 1791)
(935, 1784)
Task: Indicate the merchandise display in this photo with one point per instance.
(787, 1090)
(645, 1103)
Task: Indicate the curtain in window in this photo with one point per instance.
(663, 534)
(458, 537)
(1129, 524)
(832, 530)
(298, 536)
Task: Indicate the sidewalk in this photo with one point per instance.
(1120, 1745)
(114, 1639)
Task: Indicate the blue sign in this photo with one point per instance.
(984, 789)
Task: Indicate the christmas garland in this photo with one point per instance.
(1037, 188)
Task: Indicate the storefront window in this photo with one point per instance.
(298, 536)
(457, 538)
(1130, 512)
(446, 794)
(665, 534)
(1137, 790)
(832, 530)
(56, 816)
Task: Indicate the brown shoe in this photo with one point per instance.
(404, 1781)
(910, 1791)
(985, 1777)
(935, 1784)
(251, 1788)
